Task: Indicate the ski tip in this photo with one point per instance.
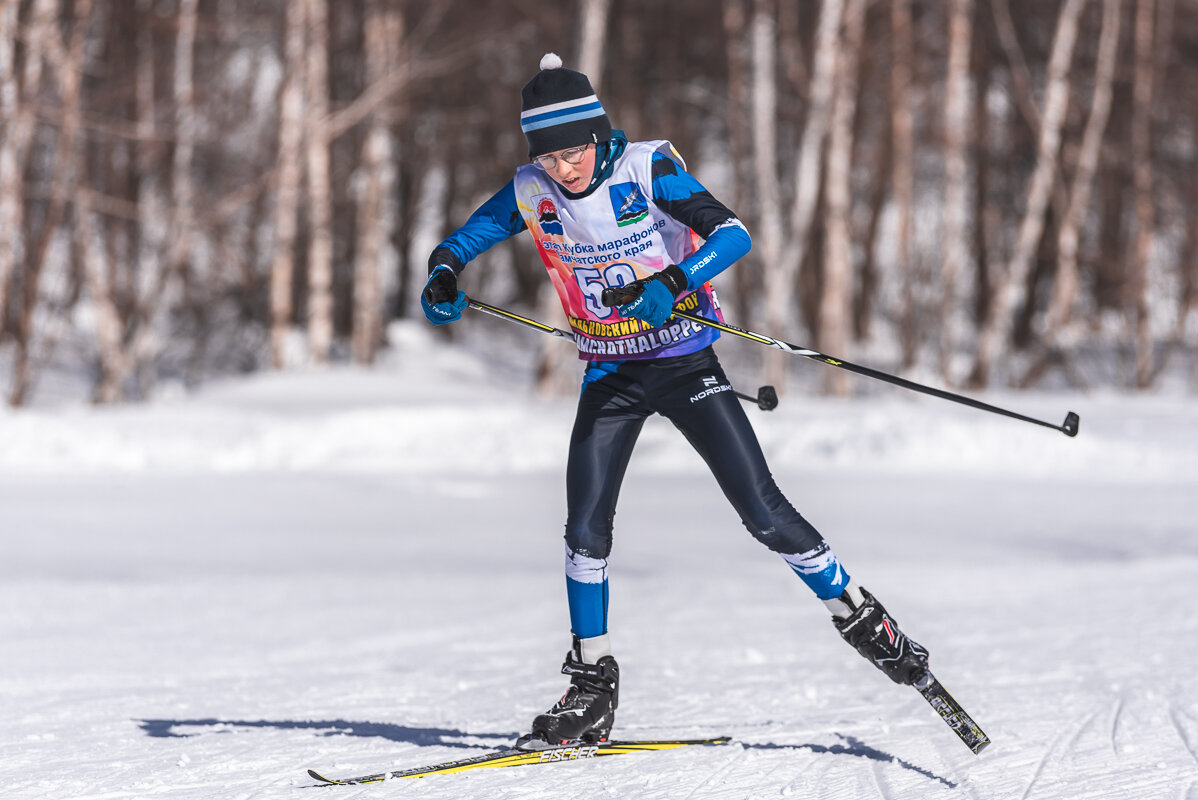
(317, 776)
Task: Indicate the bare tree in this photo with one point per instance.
(320, 242)
(835, 309)
(17, 110)
(1141, 153)
(66, 62)
(1010, 289)
(903, 167)
(763, 115)
(109, 325)
(289, 169)
(781, 277)
(1066, 284)
(592, 39)
(384, 30)
(957, 137)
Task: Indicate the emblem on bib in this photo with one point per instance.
(547, 216)
(628, 203)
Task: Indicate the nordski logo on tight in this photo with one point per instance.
(710, 382)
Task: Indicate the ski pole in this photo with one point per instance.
(766, 399)
(614, 296)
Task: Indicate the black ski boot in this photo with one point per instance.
(586, 711)
(875, 635)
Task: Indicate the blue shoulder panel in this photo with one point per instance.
(493, 222)
(680, 195)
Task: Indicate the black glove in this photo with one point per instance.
(442, 286)
(441, 300)
(672, 276)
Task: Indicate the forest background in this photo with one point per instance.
(980, 193)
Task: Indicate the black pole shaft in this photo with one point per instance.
(1069, 427)
(511, 316)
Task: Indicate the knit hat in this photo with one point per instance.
(559, 109)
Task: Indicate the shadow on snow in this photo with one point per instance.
(424, 737)
(445, 737)
(855, 747)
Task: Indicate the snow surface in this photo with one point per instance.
(359, 570)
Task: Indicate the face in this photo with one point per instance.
(573, 177)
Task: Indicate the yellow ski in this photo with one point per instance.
(512, 757)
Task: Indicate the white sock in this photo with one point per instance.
(592, 649)
(842, 609)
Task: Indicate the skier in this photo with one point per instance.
(606, 212)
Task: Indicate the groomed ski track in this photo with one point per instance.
(362, 571)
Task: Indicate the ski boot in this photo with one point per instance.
(865, 624)
(587, 711)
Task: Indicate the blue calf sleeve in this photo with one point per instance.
(586, 591)
(588, 608)
(820, 570)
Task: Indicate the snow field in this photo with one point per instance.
(360, 570)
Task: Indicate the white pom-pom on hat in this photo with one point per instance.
(551, 61)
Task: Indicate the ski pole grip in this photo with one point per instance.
(620, 295)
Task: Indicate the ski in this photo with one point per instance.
(513, 757)
(951, 712)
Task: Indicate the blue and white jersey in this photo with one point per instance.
(644, 216)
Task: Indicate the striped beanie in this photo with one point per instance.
(559, 109)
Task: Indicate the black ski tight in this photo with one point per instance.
(694, 394)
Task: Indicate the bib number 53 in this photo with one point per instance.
(592, 281)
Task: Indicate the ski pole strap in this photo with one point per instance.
(620, 295)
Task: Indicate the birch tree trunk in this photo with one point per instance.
(735, 24)
(592, 39)
(182, 187)
(1065, 287)
(384, 30)
(903, 170)
(151, 203)
(781, 276)
(66, 62)
(763, 116)
(168, 252)
(1022, 83)
(1009, 292)
(1189, 260)
(289, 171)
(18, 111)
(320, 213)
(109, 327)
(836, 301)
(957, 140)
(1141, 153)
(182, 198)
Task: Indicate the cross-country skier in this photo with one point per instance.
(606, 212)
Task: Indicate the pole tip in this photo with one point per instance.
(1072, 422)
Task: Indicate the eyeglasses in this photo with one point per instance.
(572, 156)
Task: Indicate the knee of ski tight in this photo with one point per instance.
(587, 540)
(789, 538)
(774, 522)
